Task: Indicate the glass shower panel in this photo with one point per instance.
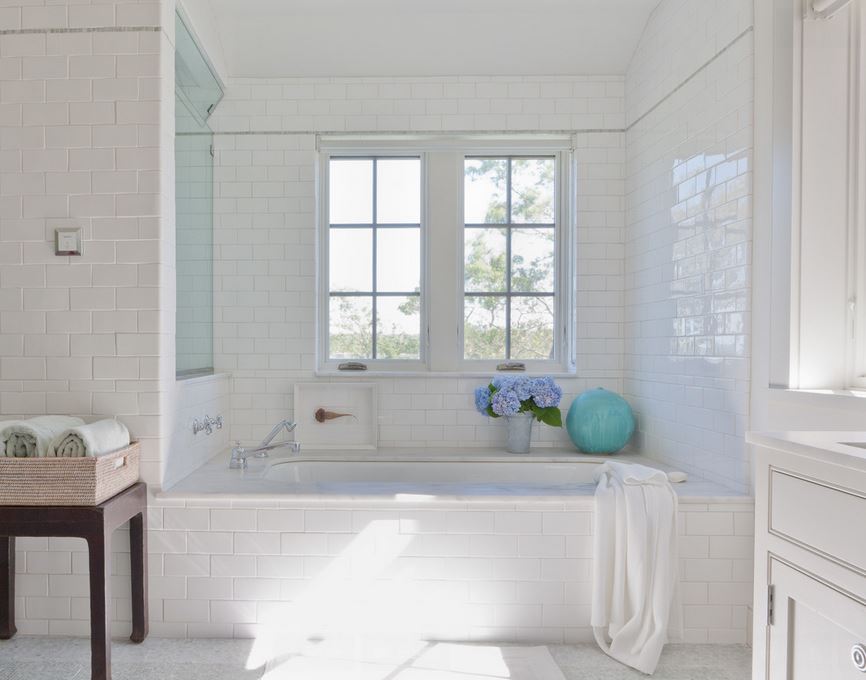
(194, 212)
(197, 92)
(194, 78)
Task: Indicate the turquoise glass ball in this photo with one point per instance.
(599, 421)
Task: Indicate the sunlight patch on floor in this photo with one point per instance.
(389, 660)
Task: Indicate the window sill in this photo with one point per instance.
(440, 374)
(842, 397)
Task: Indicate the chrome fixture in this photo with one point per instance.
(240, 454)
(207, 425)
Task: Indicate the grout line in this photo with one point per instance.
(689, 78)
(90, 29)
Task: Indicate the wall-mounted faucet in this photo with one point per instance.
(240, 454)
(207, 425)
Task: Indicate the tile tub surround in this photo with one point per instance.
(689, 104)
(265, 234)
(480, 569)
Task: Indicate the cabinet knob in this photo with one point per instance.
(858, 656)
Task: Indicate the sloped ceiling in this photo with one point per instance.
(282, 38)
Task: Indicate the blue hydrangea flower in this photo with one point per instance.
(501, 382)
(506, 403)
(523, 387)
(482, 399)
(545, 392)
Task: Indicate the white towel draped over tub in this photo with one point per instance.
(95, 439)
(32, 438)
(635, 570)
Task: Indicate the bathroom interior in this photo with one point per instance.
(439, 340)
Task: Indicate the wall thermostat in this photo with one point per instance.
(67, 241)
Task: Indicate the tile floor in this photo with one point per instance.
(29, 658)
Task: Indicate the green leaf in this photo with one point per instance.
(549, 416)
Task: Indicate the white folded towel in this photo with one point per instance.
(94, 439)
(4, 424)
(635, 601)
(32, 438)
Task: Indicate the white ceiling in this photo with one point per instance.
(278, 38)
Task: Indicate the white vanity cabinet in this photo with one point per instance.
(810, 557)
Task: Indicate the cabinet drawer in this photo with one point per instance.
(824, 519)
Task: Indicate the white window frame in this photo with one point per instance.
(323, 322)
(561, 331)
(442, 242)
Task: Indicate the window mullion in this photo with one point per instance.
(508, 261)
(375, 260)
(444, 255)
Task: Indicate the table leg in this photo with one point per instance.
(138, 553)
(7, 587)
(99, 546)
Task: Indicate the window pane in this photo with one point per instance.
(398, 331)
(398, 260)
(484, 327)
(532, 327)
(398, 191)
(532, 194)
(351, 191)
(532, 260)
(485, 191)
(351, 327)
(484, 265)
(350, 256)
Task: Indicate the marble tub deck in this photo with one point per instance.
(36, 658)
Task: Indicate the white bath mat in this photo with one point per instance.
(425, 661)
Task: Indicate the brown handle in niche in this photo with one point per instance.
(322, 415)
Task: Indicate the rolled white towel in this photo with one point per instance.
(94, 439)
(4, 425)
(32, 438)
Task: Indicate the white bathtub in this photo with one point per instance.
(423, 544)
(531, 473)
(442, 473)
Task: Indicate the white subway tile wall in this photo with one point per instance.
(688, 240)
(265, 232)
(80, 135)
(85, 125)
(454, 570)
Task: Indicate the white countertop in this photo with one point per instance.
(216, 480)
(832, 446)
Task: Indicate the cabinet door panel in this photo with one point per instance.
(814, 630)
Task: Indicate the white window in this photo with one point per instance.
(374, 259)
(509, 258)
(444, 259)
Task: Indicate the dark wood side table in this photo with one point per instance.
(95, 524)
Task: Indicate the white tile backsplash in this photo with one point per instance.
(265, 233)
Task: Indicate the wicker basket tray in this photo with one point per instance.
(68, 481)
